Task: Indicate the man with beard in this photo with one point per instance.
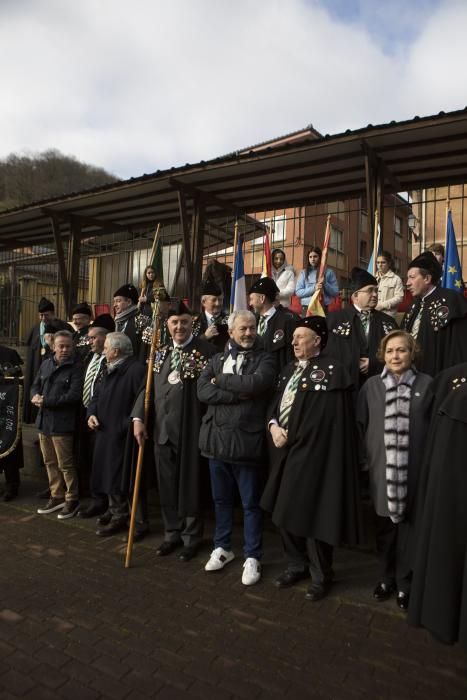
(275, 325)
(212, 320)
(177, 417)
(109, 415)
(312, 490)
(235, 386)
(355, 332)
(438, 317)
(129, 320)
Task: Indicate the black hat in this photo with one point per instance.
(104, 321)
(318, 325)
(45, 305)
(82, 308)
(266, 286)
(360, 278)
(427, 261)
(179, 309)
(128, 291)
(52, 327)
(210, 288)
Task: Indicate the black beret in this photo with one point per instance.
(128, 291)
(427, 261)
(45, 305)
(104, 321)
(210, 288)
(266, 286)
(52, 327)
(82, 308)
(179, 309)
(360, 278)
(318, 325)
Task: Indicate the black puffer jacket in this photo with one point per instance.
(233, 428)
(62, 388)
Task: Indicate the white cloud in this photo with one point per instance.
(145, 85)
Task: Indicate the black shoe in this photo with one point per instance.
(402, 601)
(317, 591)
(290, 578)
(383, 591)
(139, 533)
(188, 553)
(105, 518)
(113, 528)
(10, 495)
(167, 548)
(92, 510)
(45, 494)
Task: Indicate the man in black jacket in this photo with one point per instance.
(56, 392)
(236, 385)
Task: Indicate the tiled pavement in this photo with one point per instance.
(74, 624)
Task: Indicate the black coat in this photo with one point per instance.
(442, 334)
(62, 387)
(438, 599)
(278, 336)
(36, 354)
(233, 428)
(111, 404)
(312, 490)
(348, 343)
(219, 341)
(176, 420)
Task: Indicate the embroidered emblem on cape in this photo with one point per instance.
(191, 364)
(387, 327)
(317, 375)
(439, 314)
(278, 336)
(343, 328)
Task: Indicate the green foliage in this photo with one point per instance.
(31, 178)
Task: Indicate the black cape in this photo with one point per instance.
(312, 490)
(219, 341)
(347, 341)
(278, 337)
(442, 334)
(112, 404)
(438, 598)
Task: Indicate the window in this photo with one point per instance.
(337, 209)
(398, 242)
(363, 253)
(364, 220)
(278, 231)
(337, 239)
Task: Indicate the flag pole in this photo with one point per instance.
(155, 341)
(234, 260)
(375, 242)
(155, 242)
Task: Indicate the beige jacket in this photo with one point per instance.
(390, 292)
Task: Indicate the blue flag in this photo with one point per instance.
(452, 272)
(238, 300)
(377, 244)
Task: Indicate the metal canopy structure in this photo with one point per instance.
(396, 157)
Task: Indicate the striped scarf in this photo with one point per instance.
(396, 439)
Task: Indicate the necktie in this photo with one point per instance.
(41, 333)
(288, 397)
(416, 324)
(365, 319)
(91, 374)
(176, 359)
(261, 325)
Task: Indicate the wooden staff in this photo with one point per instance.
(375, 243)
(155, 341)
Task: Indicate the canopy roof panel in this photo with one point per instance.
(418, 153)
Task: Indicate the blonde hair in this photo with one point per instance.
(412, 344)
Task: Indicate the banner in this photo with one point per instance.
(11, 396)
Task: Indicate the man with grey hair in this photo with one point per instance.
(109, 416)
(236, 386)
(56, 392)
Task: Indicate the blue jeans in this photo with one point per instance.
(224, 477)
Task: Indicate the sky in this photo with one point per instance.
(149, 84)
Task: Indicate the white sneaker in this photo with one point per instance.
(251, 572)
(219, 558)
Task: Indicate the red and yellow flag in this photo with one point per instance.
(267, 260)
(315, 307)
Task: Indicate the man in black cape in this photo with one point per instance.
(37, 352)
(355, 332)
(129, 319)
(109, 415)
(212, 321)
(439, 588)
(312, 490)
(81, 318)
(437, 318)
(11, 460)
(176, 422)
(275, 324)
